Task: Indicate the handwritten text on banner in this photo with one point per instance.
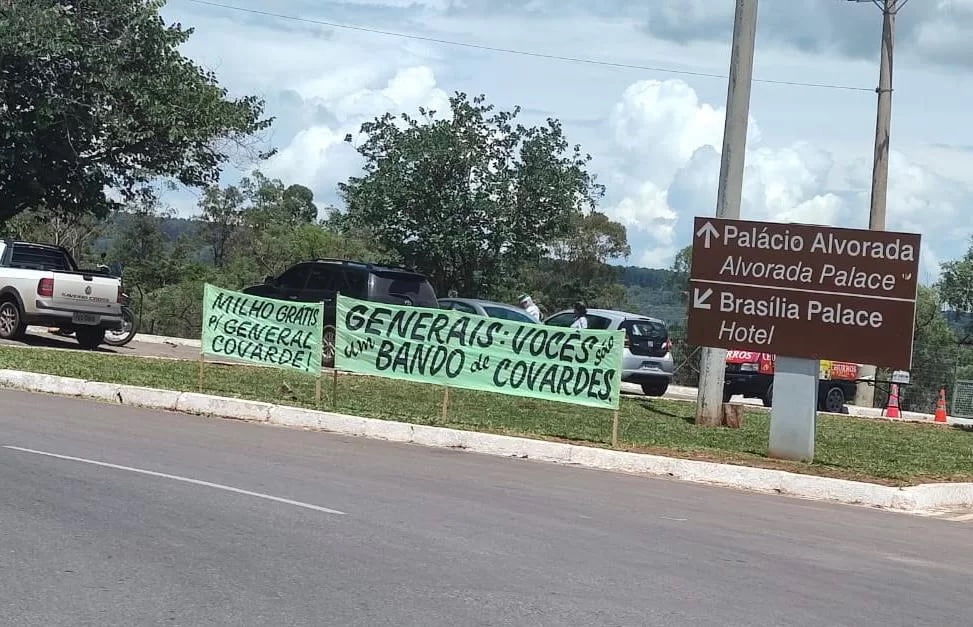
(262, 330)
(479, 353)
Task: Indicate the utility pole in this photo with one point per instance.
(709, 402)
(865, 394)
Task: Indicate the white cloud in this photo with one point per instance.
(319, 157)
(673, 142)
(662, 123)
(656, 143)
(649, 211)
(664, 147)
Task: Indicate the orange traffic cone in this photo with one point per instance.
(941, 406)
(892, 410)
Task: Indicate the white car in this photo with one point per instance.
(42, 285)
(647, 359)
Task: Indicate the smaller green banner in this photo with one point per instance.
(262, 330)
(478, 353)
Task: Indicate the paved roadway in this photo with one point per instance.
(39, 338)
(374, 533)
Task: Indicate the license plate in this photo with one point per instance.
(86, 319)
(650, 365)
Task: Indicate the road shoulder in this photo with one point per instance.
(925, 498)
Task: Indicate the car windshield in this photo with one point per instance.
(507, 314)
(401, 288)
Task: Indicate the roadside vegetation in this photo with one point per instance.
(849, 448)
(481, 201)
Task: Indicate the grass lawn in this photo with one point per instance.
(852, 448)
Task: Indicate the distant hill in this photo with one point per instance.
(654, 292)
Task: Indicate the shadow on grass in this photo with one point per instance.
(655, 408)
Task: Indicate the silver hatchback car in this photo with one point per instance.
(647, 360)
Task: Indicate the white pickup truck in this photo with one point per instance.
(42, 285)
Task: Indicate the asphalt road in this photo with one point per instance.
(42, 339)
(182, 529)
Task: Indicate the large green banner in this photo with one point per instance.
(478, 353)
(262, 330)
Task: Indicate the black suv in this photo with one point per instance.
(321, 280)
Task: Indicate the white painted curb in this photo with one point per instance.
(920, 498)
(172, 341)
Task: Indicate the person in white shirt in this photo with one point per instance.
(532, 310)
(580, 316)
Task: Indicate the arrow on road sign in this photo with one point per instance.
(700, 298)
(708, 231)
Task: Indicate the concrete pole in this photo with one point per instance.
(865, 394)
(883, 122)
(709, 402)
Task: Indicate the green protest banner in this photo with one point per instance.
(262, 330)
(466, 351)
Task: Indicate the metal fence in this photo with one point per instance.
(962, 405)
(934, 368)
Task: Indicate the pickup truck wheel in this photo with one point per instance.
(90, 337)
(12, 325)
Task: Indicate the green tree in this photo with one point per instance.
(679, 271)
(77, 232)
(470, 198)
(576, 267)
(686, 355)
(956, 289)
(934, 354)
(147, 256)
(97, 95)
(222, 211)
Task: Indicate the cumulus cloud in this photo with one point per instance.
(318, 156)
(662, 123)
(672, 141)
(675, 140)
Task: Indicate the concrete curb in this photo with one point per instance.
(920, 498)
(173, 341)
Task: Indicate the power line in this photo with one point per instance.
(526, 53)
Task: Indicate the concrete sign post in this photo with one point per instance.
(804, 293)
(793, 416)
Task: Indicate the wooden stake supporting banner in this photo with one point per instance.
(615, 429)
(334, 388)
(199, 372)
(317, 389)
(445, 403)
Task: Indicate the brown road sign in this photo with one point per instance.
(804, 291)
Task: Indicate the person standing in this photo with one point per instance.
(580, 316)
(528, 305)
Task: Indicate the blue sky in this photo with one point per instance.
(654, 135)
